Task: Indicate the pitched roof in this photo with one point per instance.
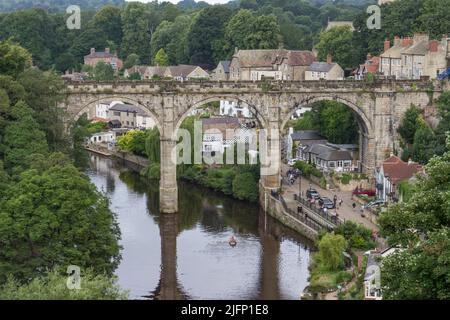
(224, 120)
(225, 65)
(181, 70)
(420, 48)
(320, 67)
(393, 52)
(306, 135)
(398, 170)
(137, 69)
(125, 108)
(328, 153)
(267, 58)
(100, 54)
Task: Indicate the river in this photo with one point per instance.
(187, 255)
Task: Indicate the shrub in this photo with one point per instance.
(245, 187)
(153, 171)
(358, 236)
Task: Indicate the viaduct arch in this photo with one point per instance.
(378, 106)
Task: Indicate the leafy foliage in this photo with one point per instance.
(53, 286)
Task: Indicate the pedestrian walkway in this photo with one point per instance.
(346, 212)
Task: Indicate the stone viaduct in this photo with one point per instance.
(378, 106)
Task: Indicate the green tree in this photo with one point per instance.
(52, 286)
(339, 42)
(54, 217)
(423, 145)
(409, 124)
(205, 38)
(266, 34)
(131, 61)
(161, 58)
(13, 58)
(22, 138)
(137, 25)
(244, 187)
(331, 248)
(103, 71)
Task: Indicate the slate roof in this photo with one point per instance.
(225, 65)
(320, 67)
(266, 58)
(306, 135)
(181, 70)
(125, 108)
(328, 153)
(225, 120)
(420, 48)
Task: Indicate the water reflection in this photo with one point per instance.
(187, 255)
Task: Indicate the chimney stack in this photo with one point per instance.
(107, 50)
(397, 41)
(387, 45)
(406, 42)
(433, 46)
(329, 58)
(92, 50)
(369, 56)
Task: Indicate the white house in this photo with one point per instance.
(101, 109)
(144, 122)
(330, 157)
(234, 109)
(103, 137)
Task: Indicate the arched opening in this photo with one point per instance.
(337, 124)
(223, 133)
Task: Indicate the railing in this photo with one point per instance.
(333, 219)
(301, 216)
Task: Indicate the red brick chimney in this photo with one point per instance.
(387, 45)
(329, 58)
(433, 46)
(406, 42)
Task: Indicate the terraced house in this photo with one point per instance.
(278, 64)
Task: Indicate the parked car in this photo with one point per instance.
(312, 194)
(374, 204)
(292, 161)
(326, 202)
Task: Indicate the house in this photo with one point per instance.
(144, 122)
(300, 112)
(106, 56)
(302, 138)
(278, 64)
(234, 109)
(101, 109)
(140, 70)
(412, 58)
(324, 70)
(390, 174)
(184, 72)
(329, 158)
(103, 137)
(74, 76)
(222, 71)
(218, 134)
(370, 66)
(125, 113)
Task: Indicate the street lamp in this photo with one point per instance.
(299, 184)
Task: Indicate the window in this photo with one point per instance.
(339, 163)
(117, 113)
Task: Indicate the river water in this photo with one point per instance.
(187, 255)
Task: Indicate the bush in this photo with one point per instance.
(245, 187)
(308, 169)
(358, 236)
(153, 171)
(346, 178)
(52, 286)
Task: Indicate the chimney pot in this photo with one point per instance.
(387, 45)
